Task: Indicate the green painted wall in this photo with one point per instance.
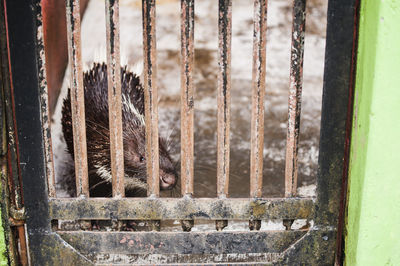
(373, 217)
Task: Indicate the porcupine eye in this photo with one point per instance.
(141, 159)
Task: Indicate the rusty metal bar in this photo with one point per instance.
(223, 101)
(258, 93)
(295, 88)
(187, 98)
(114, 98)
(151, 96)
(11, 139)
(51, 182)
(45, 111)
(180, 208)
(22, 245)
(77, 97)
(224, 95)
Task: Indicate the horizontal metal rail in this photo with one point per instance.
(173, 259)
(196, 242)
(180, 208)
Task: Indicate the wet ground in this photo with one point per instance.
(278, 52)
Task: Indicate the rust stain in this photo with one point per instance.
(23, 248)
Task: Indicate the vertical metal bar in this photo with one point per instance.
(224, 95)
(77, 97)
(336, 116)
(187, 99)
(295, 87)
(223, 101)
(151, 96)
(12, 153)
(187, 103)
(7, 196)
(257, 111)
(114, 97)
(45, 110)
(22, 245)
(258, 93)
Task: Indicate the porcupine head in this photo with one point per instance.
(97, 133)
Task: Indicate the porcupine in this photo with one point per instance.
(97, 135)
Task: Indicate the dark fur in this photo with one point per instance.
(97, 132)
